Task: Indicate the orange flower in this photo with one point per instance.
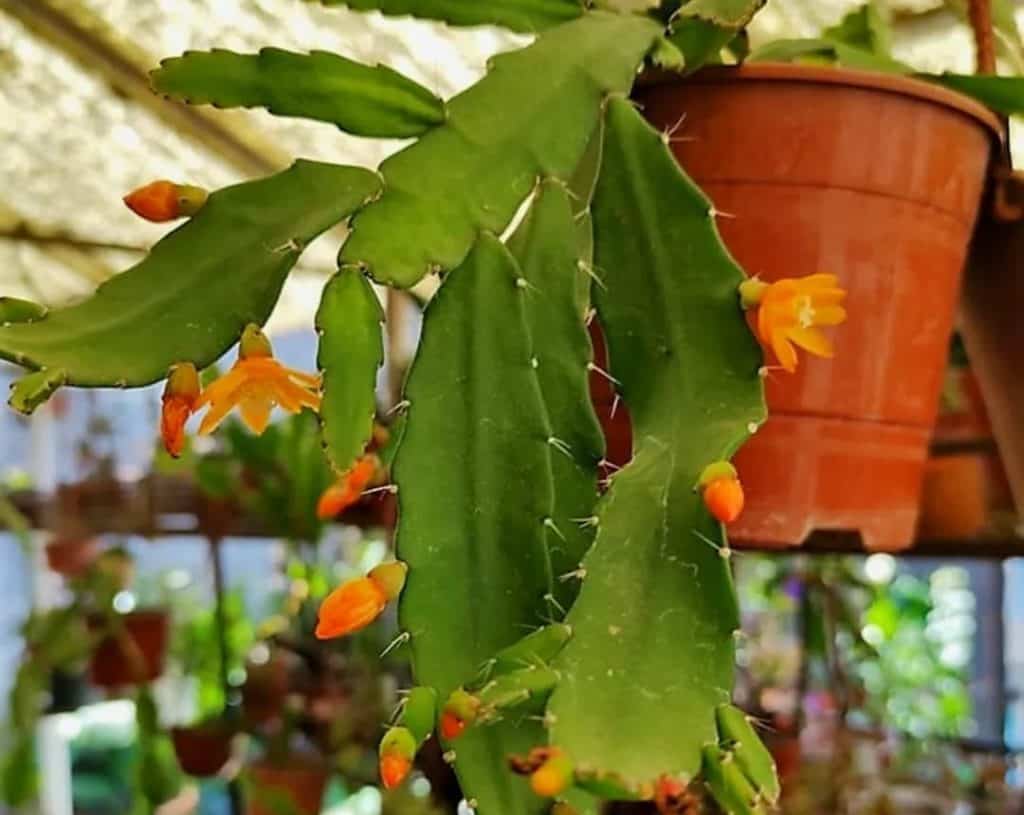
(722, 492)
(255, 384)
(789, 312)
(397, 750)
(348, 488)
(357, 603)
(162, 201)
(181, 393)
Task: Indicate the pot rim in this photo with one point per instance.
(898, 84)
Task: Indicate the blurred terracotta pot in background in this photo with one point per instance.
(135, 657)
(303, 784)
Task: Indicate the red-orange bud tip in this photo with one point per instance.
(393, 769)
(161, 201)
(179, 402)
(724, 499)
(670, 795)
(451, 725)
(554, 776)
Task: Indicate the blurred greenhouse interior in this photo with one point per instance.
(886, 682)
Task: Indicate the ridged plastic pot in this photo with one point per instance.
(877, 179)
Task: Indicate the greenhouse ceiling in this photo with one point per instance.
(80, 127)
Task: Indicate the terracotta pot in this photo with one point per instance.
(954, 500)
(266, 687)
(877, 179)
(204, 749)
(71, 556)
(303, 783)
(135, 658)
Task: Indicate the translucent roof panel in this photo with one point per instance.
(73, 146)
(443, 59)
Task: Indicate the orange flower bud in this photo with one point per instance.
(357, 603)
(724, 499)
(349, 488)
(397, 750)
(459, 712)
(181, 393)
(554, 776)
(162, 201)
(722, 491)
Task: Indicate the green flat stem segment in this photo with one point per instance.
(536, 648)
(528, 16)
(366, 100)
(190, 298)
(556, 305)
(472, 531)
(419, 713)
(652, 650)
(531, 116)
(351, 352)
(748, 751)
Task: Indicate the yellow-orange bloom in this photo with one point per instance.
(161, 201)
(348, 488)
(790, 311)
(255, 384)
(357, 603)
(181, 394)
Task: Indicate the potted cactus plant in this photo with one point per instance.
(621, 688)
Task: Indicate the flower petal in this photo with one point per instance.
(816, 281)
(220, 408)
(255, 408)
(222, 387)
(829, 315)
(813, 341)
(784, 352)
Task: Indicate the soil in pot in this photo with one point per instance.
(136, 655)
(303, 783)
(874, 178)
(203, 749)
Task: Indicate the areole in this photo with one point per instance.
(877, 179)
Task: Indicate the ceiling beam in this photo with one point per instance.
(101, 50)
